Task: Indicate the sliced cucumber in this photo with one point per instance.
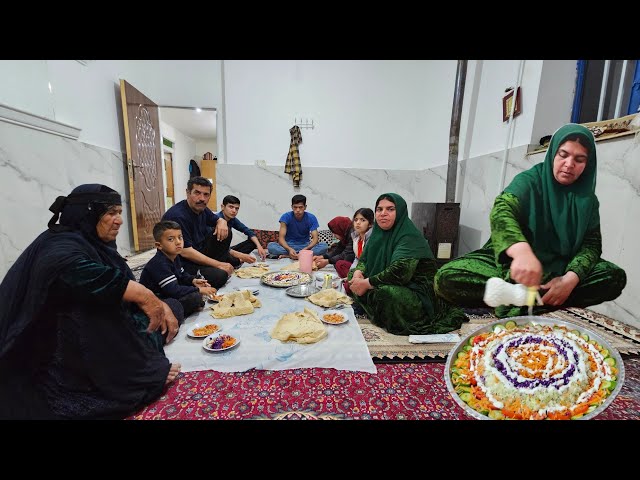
(496, 415)
(466, 397)
(467, 348)
(510, 325)
(585, 337)
(612, 385)
(498, 328)
(576, 333)
(576, 417)
(604, 352)
(610, 361)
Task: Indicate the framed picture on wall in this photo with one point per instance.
(507, 104)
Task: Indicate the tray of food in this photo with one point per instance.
(285, 279)
(534, 368)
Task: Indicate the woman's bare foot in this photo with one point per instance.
(174, 370)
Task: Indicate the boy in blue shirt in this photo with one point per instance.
(295, 227)
(166, 277)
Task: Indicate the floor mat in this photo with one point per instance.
(386, 347)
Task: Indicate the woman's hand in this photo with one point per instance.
(359, 285)
(525, 267)
(320, 261)
(357, 274)
(559, 289)
(172, 322)
(159, 314)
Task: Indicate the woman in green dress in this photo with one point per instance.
(393, 281)
(545, 233)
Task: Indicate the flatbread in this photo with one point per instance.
(296, 266)
(252, 272)
(329, 297)
(235, 303)
(300, 327)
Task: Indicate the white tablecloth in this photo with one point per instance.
(344, 348)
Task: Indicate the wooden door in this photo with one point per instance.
(208, 170)
(168, 168)
(144, 167)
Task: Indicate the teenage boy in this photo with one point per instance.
(295, 227)
(166, 277)
(221, 250)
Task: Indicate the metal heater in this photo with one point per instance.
(439, 223)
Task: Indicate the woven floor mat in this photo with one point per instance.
(385, 346)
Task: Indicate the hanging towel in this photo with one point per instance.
(293, 166)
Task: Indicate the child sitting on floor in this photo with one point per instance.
(165, 276)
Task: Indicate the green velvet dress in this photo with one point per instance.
(400, 266)
(561, 224)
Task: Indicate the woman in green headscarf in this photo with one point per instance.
(393, 281)
(545, 232)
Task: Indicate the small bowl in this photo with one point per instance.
(302, 290)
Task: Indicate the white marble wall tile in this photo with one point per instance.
(35, 168)
(265, 192)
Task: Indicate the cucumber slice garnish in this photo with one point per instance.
(510, 325)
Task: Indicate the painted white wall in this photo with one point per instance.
(88, 97)
(366, 113)
(204, 146)
(482, 130)
(184, 149)
(555, 98)
(23, 85)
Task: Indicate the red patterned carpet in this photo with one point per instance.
(403, 391)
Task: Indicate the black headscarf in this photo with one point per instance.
(23, 290)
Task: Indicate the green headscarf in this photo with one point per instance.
(402, 240)
(558, 216)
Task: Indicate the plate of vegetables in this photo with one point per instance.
(219, 342)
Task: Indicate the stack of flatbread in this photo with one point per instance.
(329, 297)
(300, 327)
(296, 266)
(254, 271)
(235, 303)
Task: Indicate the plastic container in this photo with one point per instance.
(305, 257)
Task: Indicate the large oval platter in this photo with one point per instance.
(535, 367)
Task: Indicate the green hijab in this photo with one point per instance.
(558, 216)
(402, 240)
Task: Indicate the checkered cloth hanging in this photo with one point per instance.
(293, 166)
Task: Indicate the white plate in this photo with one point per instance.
(211, 338)
(345, 319)
(201, 325)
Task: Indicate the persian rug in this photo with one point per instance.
(386, 347)
(402, 391)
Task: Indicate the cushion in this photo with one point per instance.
(327, 237)
(266, 236)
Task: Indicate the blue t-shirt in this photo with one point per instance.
(298, 230)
